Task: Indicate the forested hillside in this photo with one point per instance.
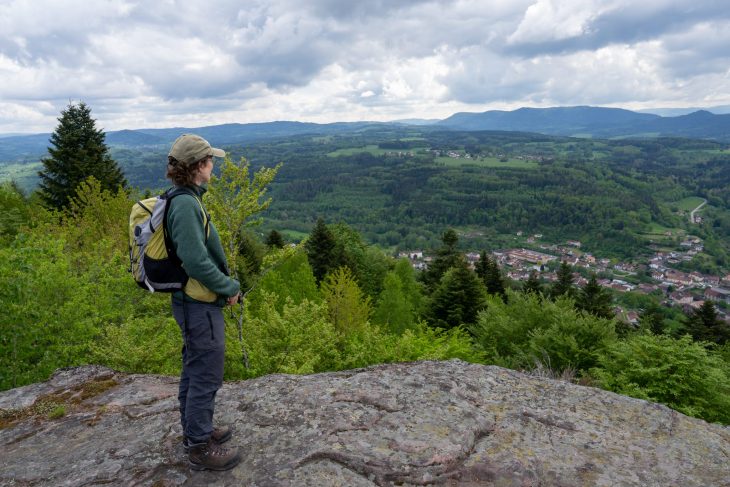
(401, 187)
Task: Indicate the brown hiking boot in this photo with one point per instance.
(212, 456)
(220, 435)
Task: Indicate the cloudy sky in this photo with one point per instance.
(189, 63)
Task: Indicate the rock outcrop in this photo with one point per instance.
(423, 423)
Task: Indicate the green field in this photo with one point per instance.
(647, 135)
(689, 204)
(487, 162)
(372, 149)
(657, 234)
(293, 235)
(656, 230)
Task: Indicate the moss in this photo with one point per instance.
(80, 393)
(59, 403)
(42, 407)
(96, 387)
(58, 412)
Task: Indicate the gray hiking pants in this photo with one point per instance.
(203, 350)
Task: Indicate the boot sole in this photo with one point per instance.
(227, 466)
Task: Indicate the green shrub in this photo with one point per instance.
(301, 339)
(682, 374)
(149, 344)
(297, 340)
(527, 330)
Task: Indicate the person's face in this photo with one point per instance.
(204, 171)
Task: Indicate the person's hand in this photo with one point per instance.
(232, 300)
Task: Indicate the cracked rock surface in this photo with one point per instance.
(422, 423)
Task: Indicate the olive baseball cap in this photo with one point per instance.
(190, 148)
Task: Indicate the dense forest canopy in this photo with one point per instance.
(401, 187)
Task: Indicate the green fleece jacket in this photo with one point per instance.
(203, 261)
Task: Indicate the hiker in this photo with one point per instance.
(198, 308)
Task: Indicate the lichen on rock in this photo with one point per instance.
(422, 423)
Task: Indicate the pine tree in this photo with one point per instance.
(595, 299)
(564, 284)
(704, 324)
(488, 271)
(368, 265)
(481, 268)
(495, 281)
(321, 249)
(652, 319)
(274, 239)
(533, 284)
(79, 151)
(447, 256)
(458, 298)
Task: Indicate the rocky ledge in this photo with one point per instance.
(423, 423)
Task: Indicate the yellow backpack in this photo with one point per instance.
(152, 259)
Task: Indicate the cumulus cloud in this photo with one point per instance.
(195, 63)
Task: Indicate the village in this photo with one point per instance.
(676, 288)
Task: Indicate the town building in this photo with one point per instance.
(718, 294)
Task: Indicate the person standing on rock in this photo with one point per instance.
(198, 308)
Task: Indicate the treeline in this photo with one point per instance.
(332, 303)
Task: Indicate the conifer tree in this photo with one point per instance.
(274, 239)
(458, 298)
(533, 284)
(564, 284)
(321, 248)
(447, 256)
(704, 324)
(595, 299)
(488, 271)
(652, 319)
(494, 280)
(481, 268)
(368, 264)
(78, 151)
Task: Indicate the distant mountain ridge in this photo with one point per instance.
(583, 121)
(17, 147)
(554, 121)
(595, 122)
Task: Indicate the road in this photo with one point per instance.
(692, 213)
